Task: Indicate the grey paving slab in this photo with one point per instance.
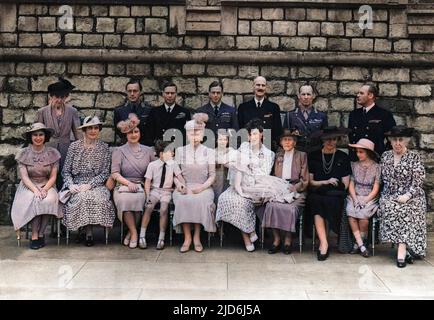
(141, 274)
(69, 294)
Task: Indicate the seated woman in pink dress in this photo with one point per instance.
(291, 166)
(36, 198)
(195, 203)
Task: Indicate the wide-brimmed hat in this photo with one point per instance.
(90, 121)
(68, 85)
(365, 144)
(60, 88)
(38, 126)
(290, 133)
(129, 124)
(400, 131)
(332, 132)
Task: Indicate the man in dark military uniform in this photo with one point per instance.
(167, 117)
(261, 108)
(133, 104)
(221, 115)
(370, 121)
(307, 120)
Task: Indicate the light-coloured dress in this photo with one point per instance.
(232, 207)
(403, 223)
(39, 165)
(88, 166)
(364, 179)
(198, 169)
(132, 166)
(63, 127)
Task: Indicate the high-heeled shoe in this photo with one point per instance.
(409, 258)
(274, 249)
(132, 244)
(254, 238)
(250, 247)
(400, 263)
(322, 257)
(127, 240)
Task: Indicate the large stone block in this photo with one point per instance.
(238, 86)
(150, 86)
(332, 29)
(20, 100)
(140, 11)
(167, 70)
(314, 72)
(126, 25)
(195, 42)
(422, 75)
(423, 46)
(362, 44)
(414, 90)
(340, 15)
(86, 83)
(388, 89)
(348, 88)
(203, 84)
(316, 14)
(73, 39)
(51, 39)
(398, 31)
(275, 71)
(33, 9)
(272, 14)
(93, 68)
(99, 11)
(427, 142)
(155, 25)
(29, 40)
(16, 84)
(424, 107)
(382, 45)
(136, 41)
(7, 68)
(402, 46)
(249, 13)
(421, 123)
(309, 28)
(159, 11)
(389, 75)
(326, 88)
(109, 100)
(12, 116)
(138, 69)
(338, 44)
(106, 25)
(221, 70)
(243, 27)
(248, 72)
(26, 23)
(84, 100)
(269, 43)
(46, 24)
(353, 30)
(247, 42)
(116, 84)
(119, 11)
(350, 73)
(342, 104)
(39, 100)
(164, 41)
(115, 69)
(275, 87)
(260, 28)
(185, 85)
(8, 16)
(84, 24)
(285, 103)
(379, 30)
(222, 42)
(295, 14)
(93, 40)
(8, 133)
(294, 43)
(318, 43)
(285, 28)
(40, 83)
(8, 40)
(396, 105)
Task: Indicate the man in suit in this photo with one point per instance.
(370, 121)
(133, 104)
(167, 118)
(307, 120)
(220, 115)
(262, 108)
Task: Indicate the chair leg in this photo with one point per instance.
(18, 233)
(313, 238)
(106, 235)
(52, 225)
(27, 231)
(122, 232)
(300, 234)
(58, 232)
(221, 234)
(209, 239)
(170, 228)
(373, 236)
(262, 237)
(67, 236)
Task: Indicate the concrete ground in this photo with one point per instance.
(116, 272)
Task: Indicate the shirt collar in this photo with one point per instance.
(218, 105)
(260, 101)
(171, 107)
(289, 153)
(369, 107)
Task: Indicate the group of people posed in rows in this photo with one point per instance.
(288, 163)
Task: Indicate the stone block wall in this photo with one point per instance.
(287, 43)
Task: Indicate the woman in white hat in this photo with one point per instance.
(195, 204)
(364, 188)
(86, 169)
(36, 197)
(129, 164)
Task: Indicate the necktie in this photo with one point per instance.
(259, 104)
(216, 111)
(163, 176)
(365, 111)
(305, 115)
(168, 110)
